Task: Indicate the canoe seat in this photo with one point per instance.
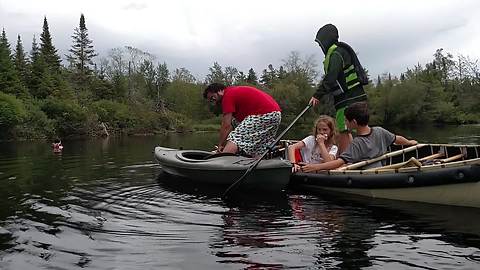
(412, 162)
(452, 158)
(432, 157)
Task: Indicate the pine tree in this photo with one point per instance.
(163, 75)
(252, 77)
(230, 74)
(82, 52)
(268, 76)
(21, 61)
(240, 78)
(9, 82)
(282, 74)
(47, 50)
(183, 75)
(264, 78)
(162, 82)
(40, 81)
(216, 74)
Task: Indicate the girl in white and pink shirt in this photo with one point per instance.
(316, 148)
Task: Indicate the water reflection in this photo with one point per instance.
(103, 204)
(363, 233)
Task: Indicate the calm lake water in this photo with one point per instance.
(102, 204)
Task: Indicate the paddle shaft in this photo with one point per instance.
(269, 148)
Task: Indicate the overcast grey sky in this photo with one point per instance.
(389, 36)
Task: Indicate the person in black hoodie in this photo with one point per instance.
(344, 79)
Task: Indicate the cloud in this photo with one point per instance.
(135, 6)
(389, 36)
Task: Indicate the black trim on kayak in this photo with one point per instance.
(420, 178)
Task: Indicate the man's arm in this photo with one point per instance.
(400, 140)
(329, 165)
(225, 129)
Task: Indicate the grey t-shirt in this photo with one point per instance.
(364, 147)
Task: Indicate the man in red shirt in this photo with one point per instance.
(250, 118)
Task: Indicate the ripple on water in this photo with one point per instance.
(100, 209)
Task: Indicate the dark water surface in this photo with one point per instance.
(103, 204)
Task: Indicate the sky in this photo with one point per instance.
(389, 36)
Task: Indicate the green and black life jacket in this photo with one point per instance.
(349, 72)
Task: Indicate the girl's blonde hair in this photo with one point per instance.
(331, 124)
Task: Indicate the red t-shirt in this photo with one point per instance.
(243, 101)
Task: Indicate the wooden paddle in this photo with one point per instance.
(271, 146)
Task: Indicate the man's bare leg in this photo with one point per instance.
(344, 140)
(230, 147)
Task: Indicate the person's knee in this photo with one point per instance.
(230, 147)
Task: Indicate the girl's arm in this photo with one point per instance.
(330, 165)
(291, 154)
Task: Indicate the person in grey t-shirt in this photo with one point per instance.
(370, 142)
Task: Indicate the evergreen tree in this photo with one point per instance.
(282, 74)
(162, 82)
(9, 82)
(35, 51)
(21, 61)
(183, 75)
(82, 52)
(231, 74)
(216, 74)
(264, 78)
(268, 76)
(47, 50)
(40, 81)
(240, 78)
(252, 77)
(163, 75)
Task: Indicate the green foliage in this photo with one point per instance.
(176, 121)
(48, 50)
(9, 80)
(186, 98)
(183, 75)
(68, 117)
(252, 77)
(287, 96)
(82, 52)
(12, 112)
(35, 124)
(131, 92)
(115, 114)
(216, 74)
(269, 77)
(20, 61)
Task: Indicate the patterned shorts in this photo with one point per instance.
(255, 132)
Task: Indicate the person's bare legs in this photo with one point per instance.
(230, 147)
(344, 139)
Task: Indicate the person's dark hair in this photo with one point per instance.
(213, 88)
(358, 111)
(57, 140)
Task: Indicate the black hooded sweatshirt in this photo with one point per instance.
(326, 37)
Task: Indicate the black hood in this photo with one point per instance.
(327, 35)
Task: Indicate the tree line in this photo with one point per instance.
(130, 91)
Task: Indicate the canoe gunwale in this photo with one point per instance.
(441, 176)
(407, 169)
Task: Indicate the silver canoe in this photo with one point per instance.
(203, 167)
(430, 173)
